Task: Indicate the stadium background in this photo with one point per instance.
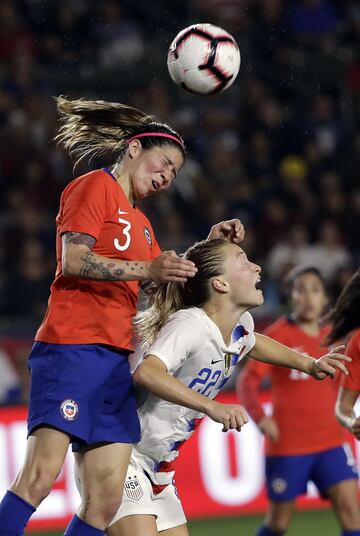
(280, 149)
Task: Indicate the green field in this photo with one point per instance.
(316, 523)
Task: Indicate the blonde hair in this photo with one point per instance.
(91, 128)
(167, 298)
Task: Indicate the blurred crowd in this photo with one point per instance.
(280, 149)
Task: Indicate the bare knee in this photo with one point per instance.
(102, 500)
(34, 482)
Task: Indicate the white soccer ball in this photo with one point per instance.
(203, 59)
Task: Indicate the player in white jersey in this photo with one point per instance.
(194, 335)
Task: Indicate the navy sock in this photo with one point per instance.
(77, 527)
(350, 532)
(14, 514)
(265, 531)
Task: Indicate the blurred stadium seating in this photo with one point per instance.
(280, 149)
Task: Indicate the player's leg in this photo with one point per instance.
(277, 519)
(45, 454)
(136, 525)
(181, 530)
(344, 499)
(286, 479)
(102, 466)
(141, 525)
(335, 477)
(102, 471)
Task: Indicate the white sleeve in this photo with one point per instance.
(179, 338)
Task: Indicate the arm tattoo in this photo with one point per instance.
(95, 269)
(79, 238)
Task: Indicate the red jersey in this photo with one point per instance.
(303, 407)
(352, 381)
(85, 311)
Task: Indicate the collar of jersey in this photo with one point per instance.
(233, 346)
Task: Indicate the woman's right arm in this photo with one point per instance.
(153, 375)
(78, 260)
(344, 410)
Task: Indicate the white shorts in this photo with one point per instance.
(139, 498)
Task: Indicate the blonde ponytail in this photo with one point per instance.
(91, 128)
(164, 299)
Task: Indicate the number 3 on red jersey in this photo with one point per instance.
(126, 233)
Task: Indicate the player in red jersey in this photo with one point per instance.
(303, 439)
(81, 386)
(346, 321)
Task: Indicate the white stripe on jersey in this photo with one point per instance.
(191, 346)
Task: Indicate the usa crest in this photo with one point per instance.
(133, 488)
(69, 409)
(147, 235)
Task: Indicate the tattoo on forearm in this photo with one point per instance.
(79, 238)
(95, 269)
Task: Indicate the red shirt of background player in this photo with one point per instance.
(303, 408)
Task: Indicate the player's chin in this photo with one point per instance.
(259, 297)
(143, 194)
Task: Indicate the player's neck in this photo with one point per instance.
(310, 327)
(123, 180)
(225, 317)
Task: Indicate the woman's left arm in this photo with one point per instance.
(344, 410)
(271, 351)
(229, 230)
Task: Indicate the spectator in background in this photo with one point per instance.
(27, 288)
(328, 253)
(9, 379)
(310, 19)
(286, 254)
(294, 190)
(119, 37)
(15, 36)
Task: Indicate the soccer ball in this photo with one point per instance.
(203, 59)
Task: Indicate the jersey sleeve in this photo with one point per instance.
(248, 386)
(177, 340)
(352, 381)
(85, 206)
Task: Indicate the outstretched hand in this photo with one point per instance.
(328, 363)
(229, 230)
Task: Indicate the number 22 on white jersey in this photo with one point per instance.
(126, 233)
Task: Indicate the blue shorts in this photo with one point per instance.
(84, 390)
(287, 476)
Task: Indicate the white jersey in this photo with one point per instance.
(191, 346)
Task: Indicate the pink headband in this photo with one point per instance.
(159, 134)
